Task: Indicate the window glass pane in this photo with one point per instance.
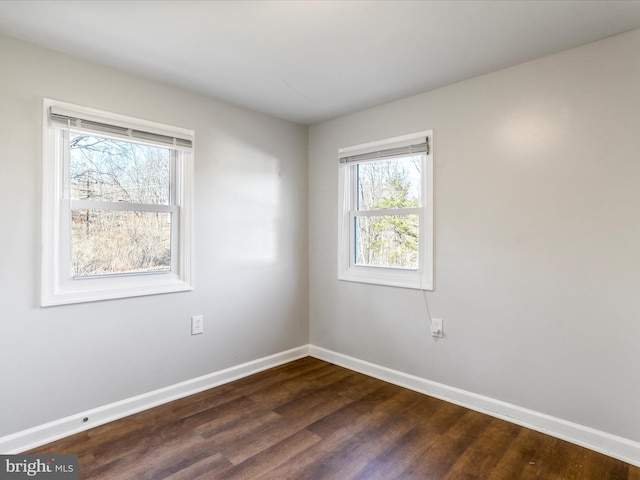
(387, 241)
(118, 171)
(106, 242)
(390, 183)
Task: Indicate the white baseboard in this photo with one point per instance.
(57, 429)
(614, 446)
(611, 445)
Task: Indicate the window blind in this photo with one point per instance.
(386, 153)
(391, 147)
(88, 123)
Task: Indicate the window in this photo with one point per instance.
(116, 206)
(386, 212)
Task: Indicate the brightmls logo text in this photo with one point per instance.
(50, 467)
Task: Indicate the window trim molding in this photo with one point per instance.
(421, 278)
(58, 289)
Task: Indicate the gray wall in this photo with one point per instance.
(250, 248)
(537, 238)
(537, 234)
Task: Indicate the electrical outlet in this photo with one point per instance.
(197, 324)
(436, 328)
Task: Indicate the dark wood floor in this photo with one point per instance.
(310, 420)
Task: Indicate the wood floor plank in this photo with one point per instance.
(212, 467)
(523, 458)
(436, 416)
(477, 461)
(343, 429)
(166, 459)
(634, 473)
(265, 463)
(205, 400)
(283, 391)
(364, 449)
(404, 452)
(301, 369)
(437, 460)
(256, 441)
(347, 417)
(601, 467)
(311, 420)
(226, 434)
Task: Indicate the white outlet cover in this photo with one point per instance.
(197, 324)
(436, 328)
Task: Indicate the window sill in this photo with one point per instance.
(97, 289)
(387, 276)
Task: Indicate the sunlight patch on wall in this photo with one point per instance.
(530, 132)
(251, 207)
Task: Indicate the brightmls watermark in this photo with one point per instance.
(49, 467)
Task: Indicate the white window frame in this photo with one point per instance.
(58, 287)
(421, 278)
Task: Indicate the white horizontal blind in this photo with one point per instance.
(387, 153)
(393, 147)
(116, 128)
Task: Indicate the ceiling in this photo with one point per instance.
(309, 61)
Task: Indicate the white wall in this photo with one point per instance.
(537, 238)
(250, 248)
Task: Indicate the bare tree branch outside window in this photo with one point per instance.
(118, 241)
